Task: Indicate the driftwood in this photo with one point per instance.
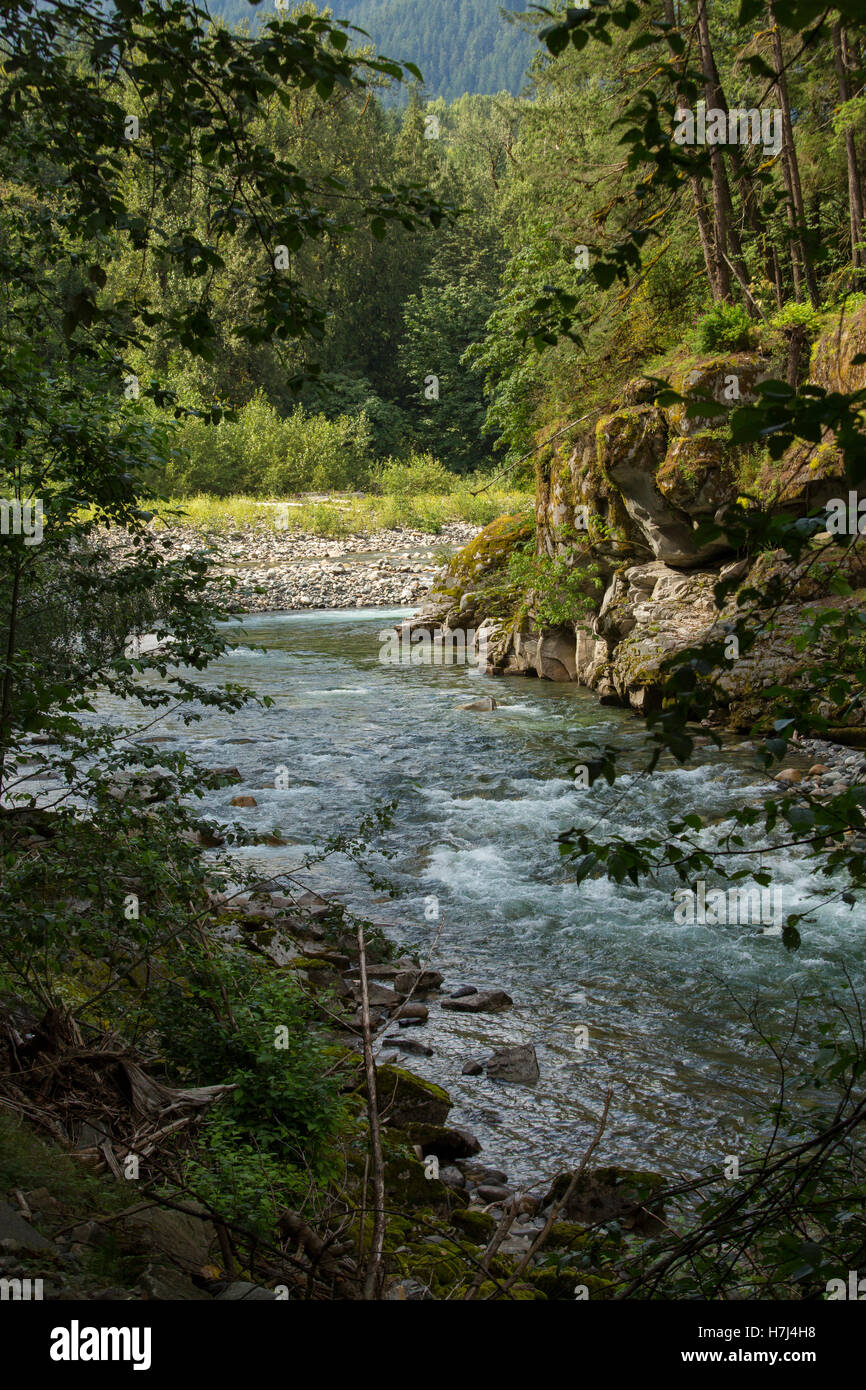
(96, 1099)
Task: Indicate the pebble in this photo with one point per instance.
(493, 1192)
(283, 571)
(835, 769)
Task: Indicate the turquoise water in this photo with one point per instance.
(482, 798)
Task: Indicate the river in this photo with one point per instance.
(481, 799)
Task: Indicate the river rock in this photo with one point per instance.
(452, 1177)
(415, 1011)
(472, 1068)
(480, 1173)
(488, 1001)
(245, 801)
(607, 1194)
(482, 706)
(407, 1099)
(517, 1063)
(491, 1193)
(463, 992)
(418, 980)
(789, 774)
(410, 1045)
(448, 1143)
(380, 996)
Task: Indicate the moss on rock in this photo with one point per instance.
(408, 1099)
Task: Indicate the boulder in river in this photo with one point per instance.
(410, 1045)
(488, 1001)
(492, 1193)
(417, 980)
(418, 1012)
(517, 1063)
(482, 706)
(380, 996)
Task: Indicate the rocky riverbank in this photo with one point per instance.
(284, 571)
(453, 1217)
(618, 575)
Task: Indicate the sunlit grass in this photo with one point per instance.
(346, 515)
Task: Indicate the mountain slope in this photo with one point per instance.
(460, 45)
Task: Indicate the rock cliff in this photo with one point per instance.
(614, 575)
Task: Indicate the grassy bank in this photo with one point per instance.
(345, 514)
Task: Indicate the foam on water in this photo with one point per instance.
(482, 798)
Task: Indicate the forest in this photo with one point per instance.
(462, 46)
(551, 325)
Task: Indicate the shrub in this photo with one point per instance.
(320, 455)
(420, 473)
(794, 315)
(725, 326)
(260, 452)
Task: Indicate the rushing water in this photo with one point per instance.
(482, 798)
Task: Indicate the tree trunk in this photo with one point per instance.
(7, 682)
(855, 188)
(374, 1273)
(705, 227)
(791, 168)
(721, 192)
(748, 196)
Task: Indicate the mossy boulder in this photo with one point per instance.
(445, 1142)
(727, 378)
(312, 965)
(406, 1099)
(524, 1293)
(632, 447)
(407, 1185)
(565, 1235)
(490, 549)
(477, 1225)
(697, 474)
(626, 1195)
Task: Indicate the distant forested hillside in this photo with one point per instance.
(460, 45)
